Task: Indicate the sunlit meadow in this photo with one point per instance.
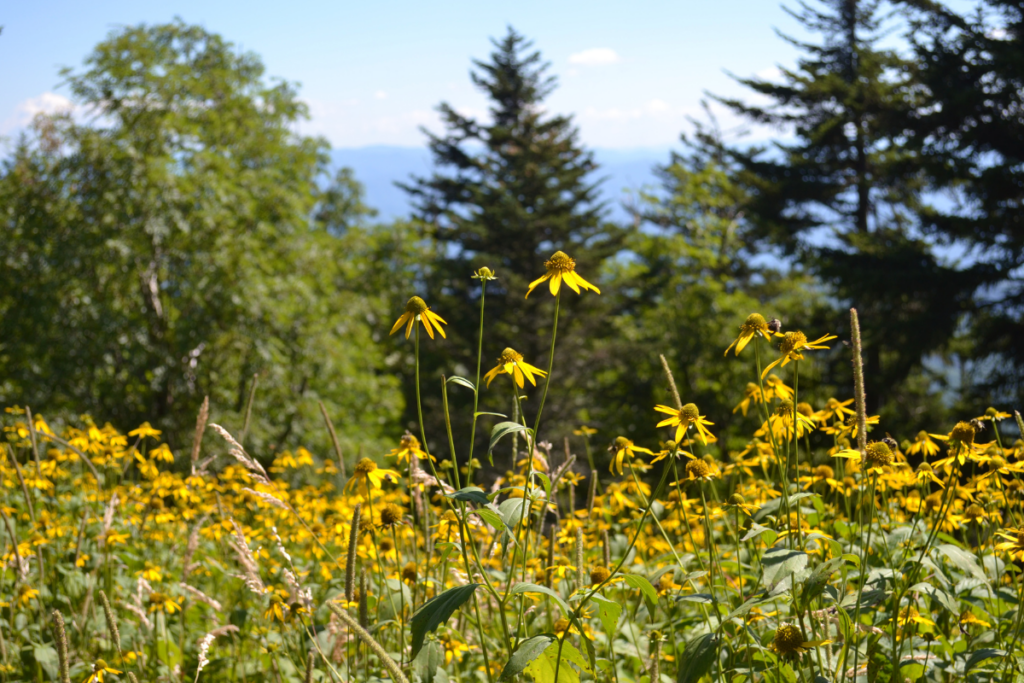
(830, 548)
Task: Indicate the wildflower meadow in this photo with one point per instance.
(832, 547)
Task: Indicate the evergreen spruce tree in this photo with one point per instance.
(972, 139)
(844, 196)
(506, 194)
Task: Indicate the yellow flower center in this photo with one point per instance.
(689, 412)
(365, 466)
(974, 512)
(385, 545)
(792, 341)
(1020, 539)
(804, 409)
(697, 469)
(924, 467)
(599, 575)
(621, 442)
(991, 412)
(784, 408)
(560, 263)
(878, 454)
(754, 323)
(390, 515)
(788, 639)
(563, 623)
(415, 305)
(737, 499)
(99, 665)
(922, 436)
(510, 355)
(824, 472)
(409, 572)
(963, 432)
(997, 463)
(410, 441)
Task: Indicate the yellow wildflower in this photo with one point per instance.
(561, 267)
(511, 363)
(416, 309)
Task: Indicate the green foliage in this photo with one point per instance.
(167, 252)
(436, 611)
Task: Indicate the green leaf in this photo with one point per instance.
(695, 597)
(780, 563)
(491, 517)
(941, 596)
(46, 657)
(511, 511)
(427, 663)
(528, 650)
(472, 494)
(503, 429)
(608, 611)
(542, 669)
(494, 414)
(645, 587)
(461, 380)
(697, 657)
(963, 560)
(979, 656)
(436, 611)
(815, 584)
(758, 529)
(534, 588)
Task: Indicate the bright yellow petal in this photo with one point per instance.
(555, 284)
(425, 319)
(669, 421)
(517, 374)
(491, 374)
(533, 285)
(398, 323)
(771, 367)
(408, 327)
(437, 320)
(586, 285)
(570, 279)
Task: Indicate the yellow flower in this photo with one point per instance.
(144, 430)
(968, 618)
(584, 431)
(924, 445)
(367, 471)
(409, 447)
(834, 408)
(792, 345)
(623, 448)
(876, 456)
(1014, 543)
(453, 648)
(561, 267)
(26, 594)
(276, 609)
(682, 419)
(511, 363)
(99, 668)
(754, 326)
(159, 602)
(416, 309)
(990, 414)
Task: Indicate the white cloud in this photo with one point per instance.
(26, 110)
(596, 56)
(772, 73)
(380, 95)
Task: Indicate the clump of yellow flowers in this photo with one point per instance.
(805, 549)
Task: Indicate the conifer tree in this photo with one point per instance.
(845, 193)
(972, 140)
(506, 194)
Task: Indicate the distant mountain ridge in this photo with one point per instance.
(377, 167)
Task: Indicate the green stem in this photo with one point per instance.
(476, 391)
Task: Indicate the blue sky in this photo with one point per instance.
(372, 72)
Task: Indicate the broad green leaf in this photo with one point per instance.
(473, 494)
(511, 511)
(46, 657)
(815, 584)
(963, 560)
(943, 598)
(758, 529)
(534, 588)
(543, 668)
(461, 380)
(428, 663)
(491, 517)
(528, 650)
(980, 655)
(697, 657)
(608, 611)
(503, 429)
(780, 563)
(645, 587)
(436, 611)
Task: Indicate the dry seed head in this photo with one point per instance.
(878, 454)
(415, 305)
(792, 341)
(963, 432)
(788, 639)
(108, 614)
(60, 638)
